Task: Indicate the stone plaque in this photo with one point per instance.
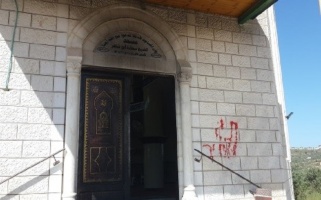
(130, 44)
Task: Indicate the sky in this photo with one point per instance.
(299, 33)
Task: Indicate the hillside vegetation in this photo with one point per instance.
(306, 172)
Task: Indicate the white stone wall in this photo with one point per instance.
(233, 80)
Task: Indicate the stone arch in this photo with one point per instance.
(81, 42)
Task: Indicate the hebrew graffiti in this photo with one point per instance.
(226, 140)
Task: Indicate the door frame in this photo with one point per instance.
(80, 52)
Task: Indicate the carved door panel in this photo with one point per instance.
(103, 153)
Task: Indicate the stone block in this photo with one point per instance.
(232, 97)
(247, 50)
(47, 67)
(42, 83)
(264, 52)
(26, 66)
(9, 98)
(58, 116)
(264, 111)
(241, 61)
(221, 35)
(195, 107)
(242, 38)
(231, 48)
(6, 33)
(260, 86)
(196, 134)
(61, 54)
(36, 99)
(250, 28)
(211, 95)
(260, 63)
(194, 94)
(265, 75)
(28, 185)
(274, 124)
(219, 83)
(21, 49)
(46, 8)
(201, 81)
(192, 55)
(195, 121)
(269, 99)
(207, 135)
(9, 5)
(198, 178)
(59, 84)
(180, 29)
(269, 163)
(36, 149)
(258, 123)
(10, 149)
(207, 121)
(261, 176)
(259, 149)
(233, 72)
(203, 44)
(253, 98)
(36, 36)
(245, 110)
(34, 132)
(57, 132)
(204, 69)
(259, 40)
(230, 24)
(40, 115)
(177, 15)
(191, 32)
(8, 131)
(59, 100)
(277, 150)
(55, 183)
(218, 46)
(266, 136)
(219, 71)
(241, 85)
(191, 43)
(206, 33)
(233, 163)
(237, 180)
(247, 136)
(208, 108)
(9, 197)
(62, 24)
(225, 109)
(60, 69)
(215, 22)
(4, 17)
(13, 114)
(249, 163)
(217, 177)
(225, 59)
(207, 57)
(247, 73)
(42, 52)
(44, 22)
(24, 19)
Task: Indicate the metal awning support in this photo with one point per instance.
(254, 11)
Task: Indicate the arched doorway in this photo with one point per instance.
(170, 59)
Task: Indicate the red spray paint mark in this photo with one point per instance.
(227, 146)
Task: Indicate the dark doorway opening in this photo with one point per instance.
(153, 138)
(128, 139)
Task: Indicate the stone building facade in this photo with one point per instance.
(226, 87)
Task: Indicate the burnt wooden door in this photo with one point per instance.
(103, 168)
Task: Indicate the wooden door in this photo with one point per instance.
(103, 168)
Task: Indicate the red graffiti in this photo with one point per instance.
(227, 146)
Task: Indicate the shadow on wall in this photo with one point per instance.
(34, 184)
